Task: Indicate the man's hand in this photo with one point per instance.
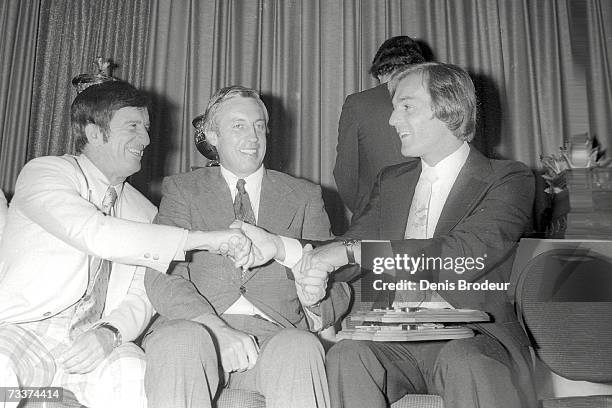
(311, 278)
(238, 350)
(333, 254)
(265, 246)
(87, 351)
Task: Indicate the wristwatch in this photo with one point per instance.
(350, 255)
(116, 333)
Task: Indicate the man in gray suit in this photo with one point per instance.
(253, 324)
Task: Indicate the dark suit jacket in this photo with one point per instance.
(201, 200)
(487, 211)
(366, 144)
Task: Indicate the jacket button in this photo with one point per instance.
(156, 257)
(47, 314)
(243, 290)
(147, 255)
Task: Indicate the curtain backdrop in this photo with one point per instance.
(599, 78)
(18, 26)
(71, 34)
(305, 56)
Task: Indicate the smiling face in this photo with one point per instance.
(421, 133)
(119, 156)
(240, 135)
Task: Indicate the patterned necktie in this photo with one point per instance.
(89, 309)
(242, 204)
(418, 227)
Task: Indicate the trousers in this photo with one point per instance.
(183, 368)
(466, 373)
(26, 360)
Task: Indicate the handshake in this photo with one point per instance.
(250, 246)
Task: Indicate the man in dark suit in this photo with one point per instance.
(258, 321)
(453, 203)
(366, 142)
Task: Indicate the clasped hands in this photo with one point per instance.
(312, 270)
(247, 250)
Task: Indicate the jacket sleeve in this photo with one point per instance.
(174, 295)
(316, 221)
(346, 169)
(49, 195)
(316, 227)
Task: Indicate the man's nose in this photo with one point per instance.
(393, 118)
(253, 134)
(146, 140)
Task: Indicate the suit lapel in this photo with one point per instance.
(397, 198)
(467, 191)
(277, 205)
(214, 201)
(277, 208)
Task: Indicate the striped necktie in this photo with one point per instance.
(89, 309)
(243, 210)
(418, 227)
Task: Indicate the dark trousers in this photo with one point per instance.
(466, 373)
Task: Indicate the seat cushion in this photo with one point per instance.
(232, 398)
(592, 401)
(419, 401)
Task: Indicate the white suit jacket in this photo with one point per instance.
(52, 228)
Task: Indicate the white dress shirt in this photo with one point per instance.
(447, 171)
(253, 188)
(442, 177)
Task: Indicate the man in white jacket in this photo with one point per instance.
(77, 241)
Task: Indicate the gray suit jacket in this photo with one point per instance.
(201, 200)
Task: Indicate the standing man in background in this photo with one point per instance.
(76, 242)
(366, 142)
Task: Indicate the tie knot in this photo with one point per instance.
(109, 200)
(240, 186)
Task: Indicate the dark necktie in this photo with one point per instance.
(242, 204)
(90, 307)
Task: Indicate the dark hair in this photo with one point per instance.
(223, 95)
(98, 103)
(394, 53)
(453, 98)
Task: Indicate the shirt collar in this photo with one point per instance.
(252, 180)
(450, 166)
(97, 181)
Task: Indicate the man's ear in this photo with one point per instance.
(94, 134)
(212, 137)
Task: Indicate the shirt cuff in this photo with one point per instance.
(179, 255)
(315, 322)
(293, 252)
